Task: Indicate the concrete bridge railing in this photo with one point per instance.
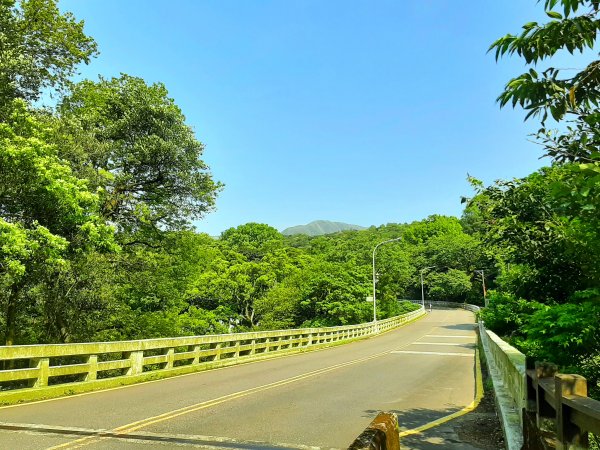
(539, 407)
(33, 372)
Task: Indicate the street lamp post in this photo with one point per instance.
(480, 272)
(375, 276)
(422, 288)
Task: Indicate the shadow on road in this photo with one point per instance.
(461, 326)
(478, 429)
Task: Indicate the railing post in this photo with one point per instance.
(381, 434)
(529, 418)
(137, 362)
(43, 366)
(170, 358)
(569, 435)
(253, 348)
(543, 408)
(218, 351)
(92, 373)
(196, 359)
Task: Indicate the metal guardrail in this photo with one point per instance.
(44, 371)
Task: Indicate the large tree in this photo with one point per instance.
(47, 214)
(39, 48)
(131, 140)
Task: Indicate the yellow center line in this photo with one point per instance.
(137, 425)
(134, 426)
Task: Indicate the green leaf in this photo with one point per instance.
(554, 15)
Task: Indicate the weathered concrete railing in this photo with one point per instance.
(529, 394)
(561, 399)
(381, 434)
(506, 366)
(438, 304)
(45, 371)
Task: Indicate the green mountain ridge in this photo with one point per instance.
(320, 227)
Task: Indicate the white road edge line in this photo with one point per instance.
(450, 336)
(441, 343)
(216, 442)
(433, 353)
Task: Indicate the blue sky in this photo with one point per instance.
(365, 112)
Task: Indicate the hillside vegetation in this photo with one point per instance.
(320, 227)
(99, 193)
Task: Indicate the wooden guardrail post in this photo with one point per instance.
(531, 437)
(569, 435)
(537, 408)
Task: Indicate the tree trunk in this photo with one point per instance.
(11, 315)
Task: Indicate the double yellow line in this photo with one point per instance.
(134, 426)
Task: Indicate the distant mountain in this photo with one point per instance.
(319, 227)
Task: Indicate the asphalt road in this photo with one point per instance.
(326, 398)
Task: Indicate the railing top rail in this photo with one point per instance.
(84, 348)
(588, 408)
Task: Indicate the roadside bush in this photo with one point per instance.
(507, 315)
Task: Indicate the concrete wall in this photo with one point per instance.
(507, 370)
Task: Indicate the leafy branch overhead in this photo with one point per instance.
(546, 92)
(40, 48)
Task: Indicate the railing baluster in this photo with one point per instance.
(43, 366)
(568, 434)
(170, 358)
(127, 358)
(92, 372)
(137, 362)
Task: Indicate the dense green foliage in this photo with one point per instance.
(544, 227)
(40, 48)
(97, 199)
(98, 196)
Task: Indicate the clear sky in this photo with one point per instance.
(365, 112)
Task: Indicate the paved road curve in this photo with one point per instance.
(325, 398)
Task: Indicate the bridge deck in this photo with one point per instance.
(423, 372)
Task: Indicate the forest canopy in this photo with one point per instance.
(99, 194)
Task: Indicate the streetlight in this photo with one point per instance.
(422, 289)
(480, 272)
(375, 276)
